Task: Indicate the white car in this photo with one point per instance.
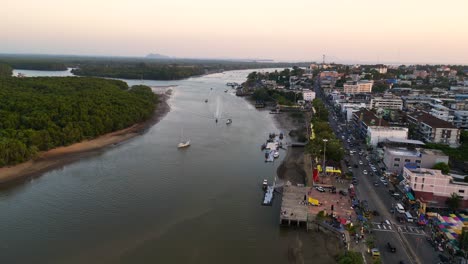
(360, 162)
(373, 169)
(364, 172)
(320, 189)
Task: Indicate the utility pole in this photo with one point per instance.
(324, 151)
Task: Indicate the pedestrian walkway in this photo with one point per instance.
(410, 230)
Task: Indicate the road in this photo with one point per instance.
(408, 239)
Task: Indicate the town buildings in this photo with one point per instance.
(363, 86)
(387, 101)
(431, 129)
(308, 95)
(433, 188)
(395, 159)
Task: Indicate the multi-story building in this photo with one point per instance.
(433, 188)
(387, 101)
(395, 159)
(461, 119)
(441, 112)
(432, 129)
(308, 95)
(375, 129)
(415, 102)
(363, 86)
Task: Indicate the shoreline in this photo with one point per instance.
(58, 157)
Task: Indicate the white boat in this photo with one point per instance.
(229, 121)
(183, 144)
(276, 154)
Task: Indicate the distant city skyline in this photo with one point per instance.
(363, 31)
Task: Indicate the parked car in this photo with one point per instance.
(344, 193)
(376, 184)
(364, 172)
(360, 162)
(320, 189)
(375, 252)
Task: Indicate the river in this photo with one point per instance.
(145, 201)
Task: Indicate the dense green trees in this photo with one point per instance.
(140, 71)
(5, 70)
(322, 130)
(444, 167)
(41, 113)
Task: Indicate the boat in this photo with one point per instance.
(183, 144)
(265, 185)
(276, 154)
(225, 91)
(229, 121)
(216, 120)
(206, 100)
(263, 146)
(281, 135)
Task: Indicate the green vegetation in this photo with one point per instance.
(5, 70)
(454, 201)
(38, 114)
(280, 97)
(459, 154)
(322, 130)
(33, 63)
(350, 257)
(444, 167)
(140, 71)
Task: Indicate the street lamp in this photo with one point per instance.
(324, 151)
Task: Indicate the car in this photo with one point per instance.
(360, 162)
(320, 189)
(364, 172)
(391, 247)
(385, 183)
(392, 211)
(376, 184)
(350, 168)
(375, 252)
(382, 178)
(344, 193)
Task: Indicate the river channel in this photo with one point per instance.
(146, 201)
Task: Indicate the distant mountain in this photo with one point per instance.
(157, 56)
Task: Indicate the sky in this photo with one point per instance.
(346, 31)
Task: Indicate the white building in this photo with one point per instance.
(358, 87)
(388, 101)
(349, 109)
(308, 95)
(376, 134)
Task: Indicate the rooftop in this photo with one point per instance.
(369, 118)
(406, 141)
(404, 152)
(430, 120)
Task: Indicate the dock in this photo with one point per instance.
(293, 209)
(268, 198)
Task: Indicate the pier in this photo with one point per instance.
(293, 207)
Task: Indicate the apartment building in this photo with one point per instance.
(433, 188)
(387, 101)
(431, 129)
(395, 159)
(358, 87)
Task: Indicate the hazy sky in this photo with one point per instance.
(344, 30)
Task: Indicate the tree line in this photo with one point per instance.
(140, 71)
(322, 130)
(37, 114)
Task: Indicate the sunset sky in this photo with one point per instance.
(406, 31)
